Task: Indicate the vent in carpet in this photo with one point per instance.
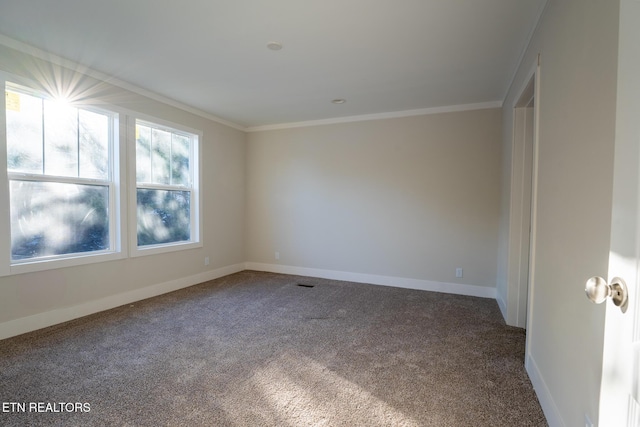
(304, 285)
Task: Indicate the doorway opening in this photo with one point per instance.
(523, 198)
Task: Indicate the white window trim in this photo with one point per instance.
(196, 211)
(124, 226)
(117, 227)
(5, 217)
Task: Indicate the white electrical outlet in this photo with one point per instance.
(277, 255)
(458, 272)
(206, 260)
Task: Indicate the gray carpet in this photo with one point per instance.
(257, 349)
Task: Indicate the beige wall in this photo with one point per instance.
(45, 293)
(577, 42)
(411, 197)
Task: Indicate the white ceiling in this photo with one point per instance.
(380, 55)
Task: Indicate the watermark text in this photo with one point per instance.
(57, 407)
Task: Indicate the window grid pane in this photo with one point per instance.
(163, 216)
(60, 139)
(52, 218)
(24, 133)
(143, 154)
(160, 156)
(94, 145)
(180, 152)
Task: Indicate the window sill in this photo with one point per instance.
(51, 264)
(160, 249)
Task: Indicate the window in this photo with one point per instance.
(63, 201)
(62, 178)
(166, 199)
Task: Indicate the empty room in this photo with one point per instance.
(291, 213)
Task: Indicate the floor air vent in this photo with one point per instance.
(304, 285)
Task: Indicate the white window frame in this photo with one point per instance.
(195, 169)
(116, 190)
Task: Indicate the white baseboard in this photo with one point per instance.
(398, 282)
(544, 396)
(503, 306)
(53, 317)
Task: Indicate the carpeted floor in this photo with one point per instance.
(258, 349)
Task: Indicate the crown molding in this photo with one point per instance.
(66, 63)
(379, 116)
(83, 69)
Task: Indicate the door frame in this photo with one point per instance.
(520, 283)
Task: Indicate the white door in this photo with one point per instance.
(619, 394)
